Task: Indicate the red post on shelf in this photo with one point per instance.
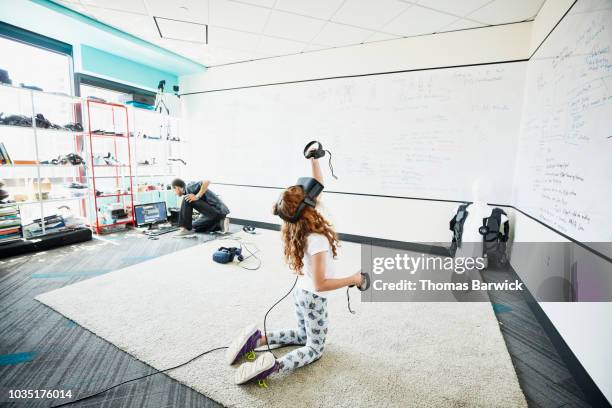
(117, 138)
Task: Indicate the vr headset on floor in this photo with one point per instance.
(312, 188)
(225, 255)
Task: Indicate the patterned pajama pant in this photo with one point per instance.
(311, 314)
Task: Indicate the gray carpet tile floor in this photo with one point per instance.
(41, 349)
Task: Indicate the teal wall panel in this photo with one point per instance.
(98, 62)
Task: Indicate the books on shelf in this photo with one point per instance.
(10, 224)
(53, 223)
(4, 156)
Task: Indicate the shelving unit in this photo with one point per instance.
(37, 188)
(153, 142)
(111, 174)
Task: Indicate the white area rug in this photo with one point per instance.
(169, 309)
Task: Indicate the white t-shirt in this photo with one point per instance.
(316, 243)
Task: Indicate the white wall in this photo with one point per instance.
(492, 44)
(386, 218)
(586, 328)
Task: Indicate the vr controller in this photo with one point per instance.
(366, 282)
(317, 153)
(225, 255)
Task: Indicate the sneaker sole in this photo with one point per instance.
(247, 371)
(232, 351)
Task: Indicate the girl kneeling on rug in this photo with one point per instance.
(310, 245)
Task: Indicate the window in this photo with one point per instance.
(34, 66)
(103, 93)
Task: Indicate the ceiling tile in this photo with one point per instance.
(262, 3)
(134, 6)
(337, 35)
(188, 50)
(323, 9)
(461, 24)
(73, 6)
(315, 47)
(369, 14)
(507, 11)
(231, 39)
(186, 10)
(275, 46)
(139, 25)
(239, 16)
(182, 31)
(418, 20)
(381, 37)
(218, 56)
(458, 8)
(293, 27)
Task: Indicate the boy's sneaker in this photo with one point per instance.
(242, 344)
(257, 370)
(183, 233)
(224, 225)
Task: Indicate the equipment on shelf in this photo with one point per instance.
(15, 120)
(45, 123)
(74, 126)
(69, 159)
(96, 99)
(4, 77)
(41, 122)
(176, 159)
(76, 185)
(31, 87)
(147, 162)
(106, 132)
(10, 224)
(52, 223)
(108, 160)
(112, 213)
(4, 156)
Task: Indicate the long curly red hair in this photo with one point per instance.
(295, 235)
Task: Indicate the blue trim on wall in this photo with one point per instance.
(95, 61)
(51, 20)
(29, 37)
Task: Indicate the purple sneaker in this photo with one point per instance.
(259, 369)
(244, 342)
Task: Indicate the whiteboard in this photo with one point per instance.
(564, 165)
(423, 134)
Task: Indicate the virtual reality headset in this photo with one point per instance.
(312, 188)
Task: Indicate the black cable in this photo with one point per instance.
(138, 378)
(331, 167)
(348, 300)
(182, 364)
(270, 309)
(252, 254)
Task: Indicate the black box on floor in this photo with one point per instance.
(45, 242)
